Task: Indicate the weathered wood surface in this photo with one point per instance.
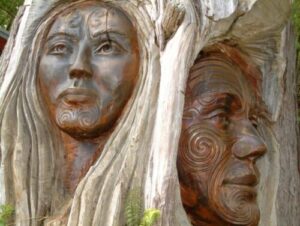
(142, 150)
(287, 133)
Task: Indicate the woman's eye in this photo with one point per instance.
(58, 49)
(108, 48)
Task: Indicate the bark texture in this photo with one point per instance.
(141, 153)
(287, 133)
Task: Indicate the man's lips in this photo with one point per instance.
(246, 180)
(75, 96)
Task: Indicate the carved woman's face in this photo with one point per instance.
(219, 145)
(88, 69)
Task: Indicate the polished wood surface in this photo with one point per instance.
(87, 72)
(219, 141)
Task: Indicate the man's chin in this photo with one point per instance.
(237, 205)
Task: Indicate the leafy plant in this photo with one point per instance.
(134, 211)
(6, 211)
(296, 21)
(8, 11)
(150, 217)
(133, 208)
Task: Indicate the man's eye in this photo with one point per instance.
(108, 48)
(58, 49)
(220, 119)
(254, 121)
(190, 114)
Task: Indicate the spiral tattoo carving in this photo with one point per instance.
(80, 118)
(234, 203)
(240, 205)
(200, 147)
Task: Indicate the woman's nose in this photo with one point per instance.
(81, 67)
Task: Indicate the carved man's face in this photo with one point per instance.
(219, 145)
(88, 69)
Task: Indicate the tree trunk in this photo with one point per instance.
(287, 133)
(140, 154)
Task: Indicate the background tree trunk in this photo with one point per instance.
(286, 130)
(141, 153)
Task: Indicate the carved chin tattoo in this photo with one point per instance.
(75, 119)
(235, 203)
(88, 69)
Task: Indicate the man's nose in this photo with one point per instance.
(81, 67)
(248, 145)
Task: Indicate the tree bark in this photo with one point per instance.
(287, 133)
(141, 152)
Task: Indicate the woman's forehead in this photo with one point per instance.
(93, 18)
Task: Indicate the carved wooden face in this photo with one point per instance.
(218, 147)
(88, 69)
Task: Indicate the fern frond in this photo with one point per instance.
(133, 208)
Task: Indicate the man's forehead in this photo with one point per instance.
(96, 18)
(215, 84)
(213, 80)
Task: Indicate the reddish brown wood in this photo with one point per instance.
(3, 39)
(87, 72)
(219, 142)
(2, 43)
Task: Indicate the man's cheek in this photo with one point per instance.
(201, 148)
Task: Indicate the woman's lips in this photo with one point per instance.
(77, 96)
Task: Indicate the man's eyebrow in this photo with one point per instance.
(226, 96)
(217, 99)
(66, 34)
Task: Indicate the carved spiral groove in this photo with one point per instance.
(78, 117)
(234, 203)
(200, 148)
(239, 205)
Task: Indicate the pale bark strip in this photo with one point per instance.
(8, 62)
(142, 150)
(161, 188)
(288, 198)
(268, 166)
(15, 53)
(4, 61)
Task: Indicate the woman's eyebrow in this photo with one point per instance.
(69, 35)
(106, 32)
(113, 35)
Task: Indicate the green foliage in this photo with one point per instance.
(134, 211)
(150, 217)
(6, 211)
(296, 22)
(8, 11)
(133, 208)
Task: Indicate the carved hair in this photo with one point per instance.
(32, 152)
